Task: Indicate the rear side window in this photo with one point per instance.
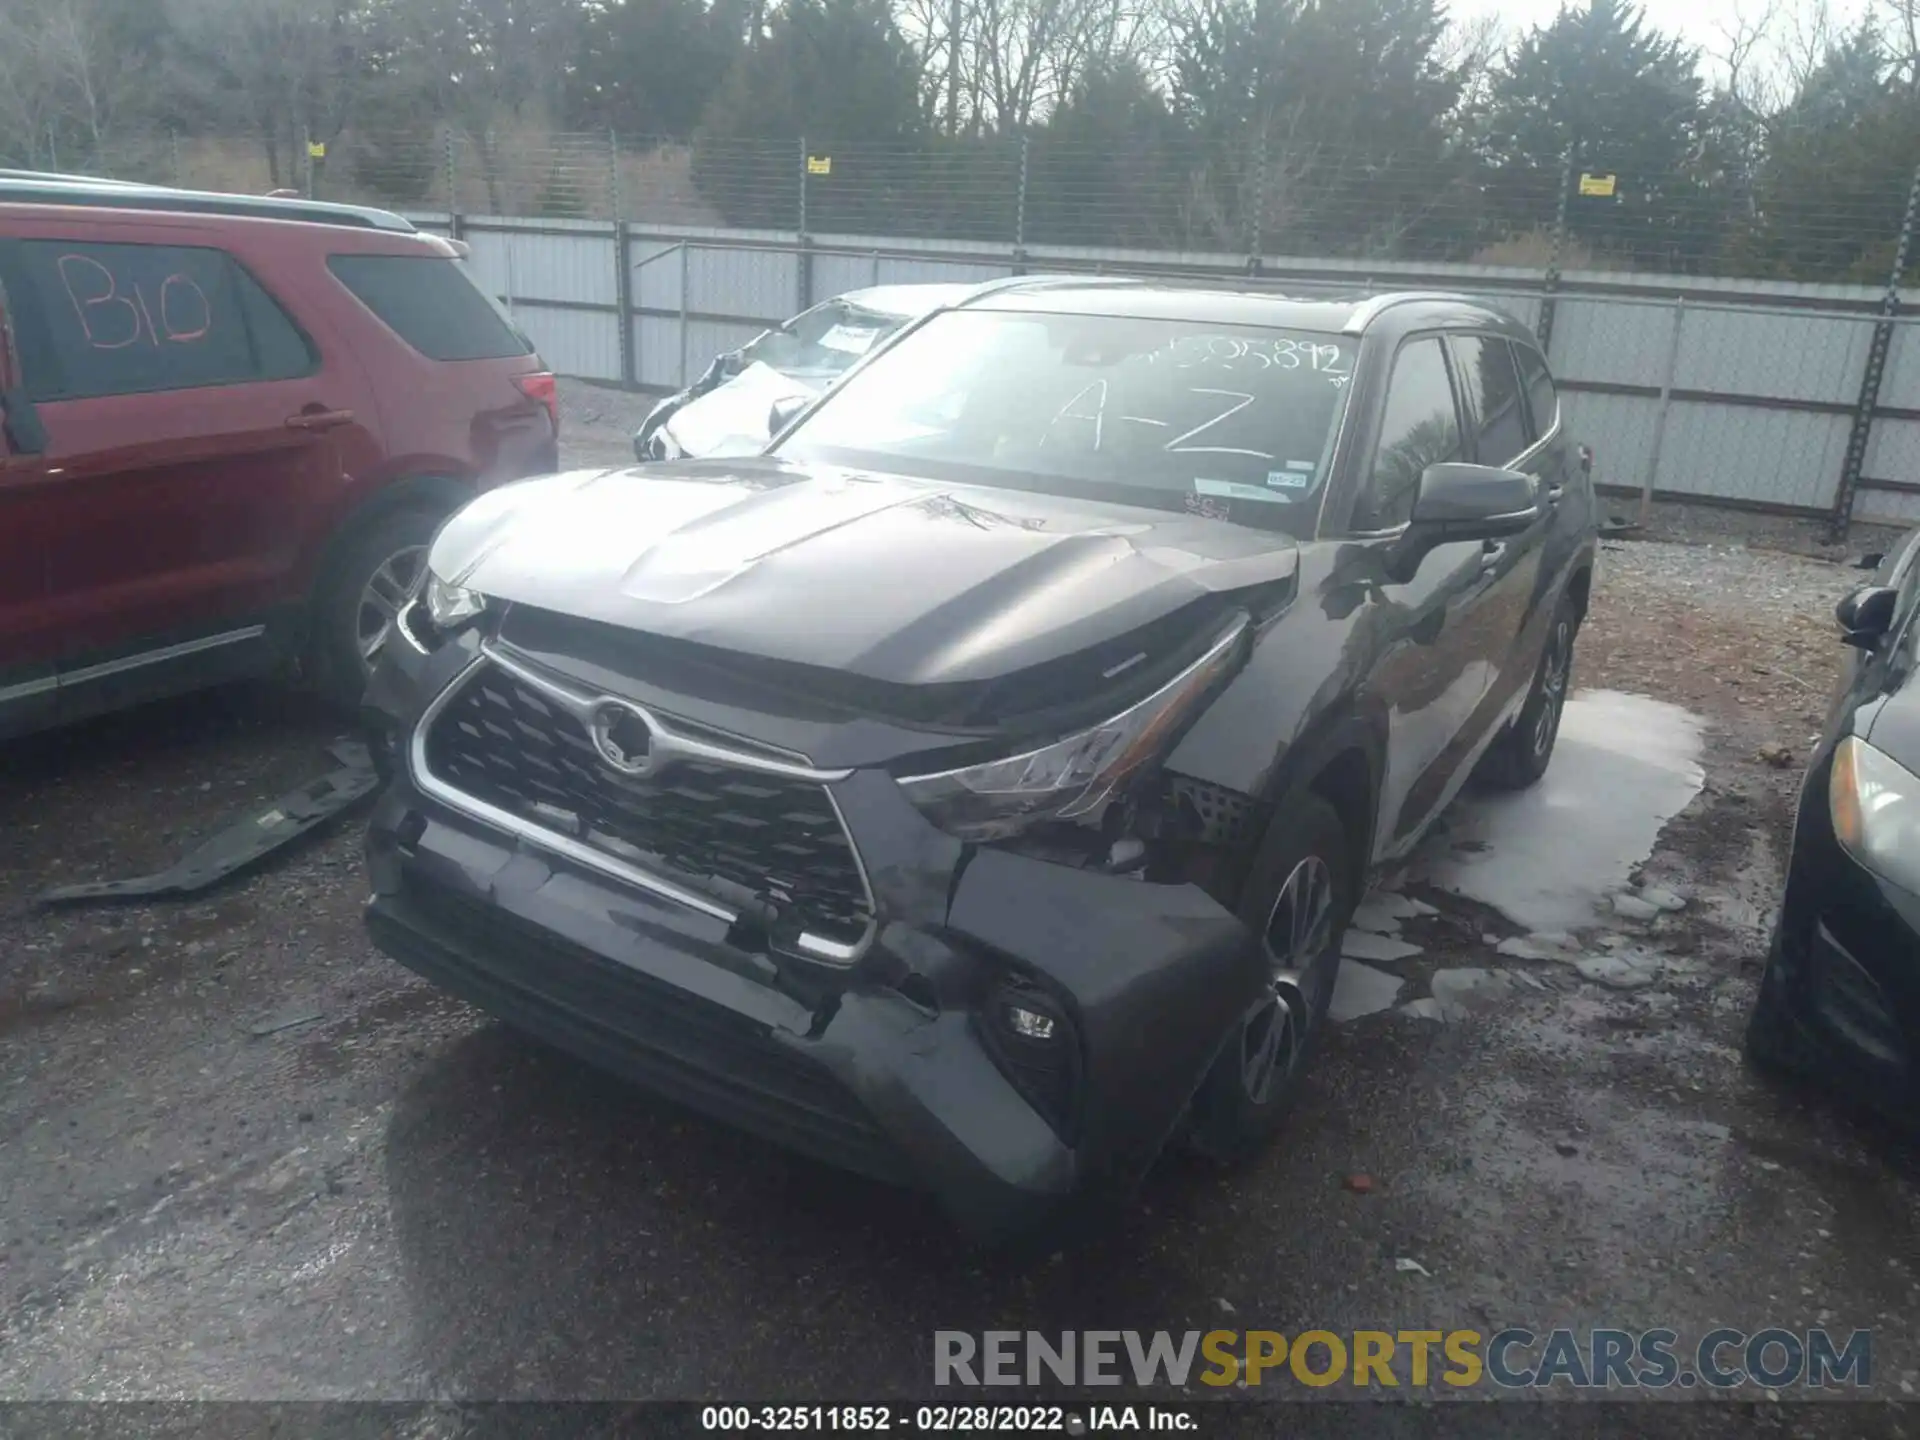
(132, 319)
(431, 304)
(1542, 399)
(1493, 395)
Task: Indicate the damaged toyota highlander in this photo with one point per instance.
(971, 790)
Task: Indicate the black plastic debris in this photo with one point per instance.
(248, 840)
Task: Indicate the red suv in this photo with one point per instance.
(228, 428)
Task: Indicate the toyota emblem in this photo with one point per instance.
(624, 738)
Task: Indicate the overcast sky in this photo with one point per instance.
(1698, 22)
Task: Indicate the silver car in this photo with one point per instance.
(725, 411)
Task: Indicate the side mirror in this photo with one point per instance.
(785, 411)
(1474, 502)
(1456, 501)
(1866, 615)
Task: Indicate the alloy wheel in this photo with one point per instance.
(380, 601)
(1298, 939)
(1554, 669)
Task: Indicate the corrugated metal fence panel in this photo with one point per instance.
(1900, 386)
(1886, 507)
(1741, 452)
(742, 283)
(757, 285)
(656, 351)
(1603, 342)
(1620, 430)
(1780, 356)
(1893, 451)
(580, 343)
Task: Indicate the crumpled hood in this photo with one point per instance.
(731, 419)
(899, 580)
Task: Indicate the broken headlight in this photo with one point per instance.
(1071, 778)
(451, 606)
(1875, 805)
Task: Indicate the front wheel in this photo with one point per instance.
(1522, 753)
(1301, 891)
(358, 599)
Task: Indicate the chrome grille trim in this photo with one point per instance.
(580, 705)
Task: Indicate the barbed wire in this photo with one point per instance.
(1309, 200)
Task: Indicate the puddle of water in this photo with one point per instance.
(1548, 858)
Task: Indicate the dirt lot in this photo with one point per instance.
(243, 1156)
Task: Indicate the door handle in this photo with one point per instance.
(1554, 492)
(1492, 553)
(319, 419)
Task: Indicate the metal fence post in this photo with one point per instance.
(1020, 208)
(454, 226)
(614, 206)
(1882, 342)
(686, 280)
(623, 297)
(1551, 285)
(804, 279)
(1666, 404)
(1257, 206)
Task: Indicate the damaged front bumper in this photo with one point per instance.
(1012, 1032)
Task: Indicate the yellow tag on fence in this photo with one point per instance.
(819, 164)
(1596, 184)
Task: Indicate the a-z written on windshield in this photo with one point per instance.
(1231, 421)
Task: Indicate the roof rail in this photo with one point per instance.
(1368, 310)
(1040, 281)
(27, 187)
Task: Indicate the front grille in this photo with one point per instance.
(740, 835)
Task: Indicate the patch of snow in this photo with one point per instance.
(1383, 910)
(1361, 990)
(1359, 945)
(1533, 947)
(1621, 970)
(1469, 990)
(1547, 858)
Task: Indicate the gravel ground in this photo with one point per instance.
(243, 1156)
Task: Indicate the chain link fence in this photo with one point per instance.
(1249, 201)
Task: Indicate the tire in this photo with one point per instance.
(1525, 748)
(1306, 855)
(1772, 1043)
(364, 586)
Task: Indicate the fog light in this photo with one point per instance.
(1029, 1024)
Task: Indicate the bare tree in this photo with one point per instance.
(1902, 29)
(64, 81)
(285, 71)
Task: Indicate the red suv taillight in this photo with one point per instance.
(543, 387)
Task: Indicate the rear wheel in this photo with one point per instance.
(359, 598)
(1298, 897)
(1522, 753)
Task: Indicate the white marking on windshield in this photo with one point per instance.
(1178, 445)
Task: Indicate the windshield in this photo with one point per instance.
(1228, 421)
(824, 341)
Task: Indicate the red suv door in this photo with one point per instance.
(193, 432)
(29, 645)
